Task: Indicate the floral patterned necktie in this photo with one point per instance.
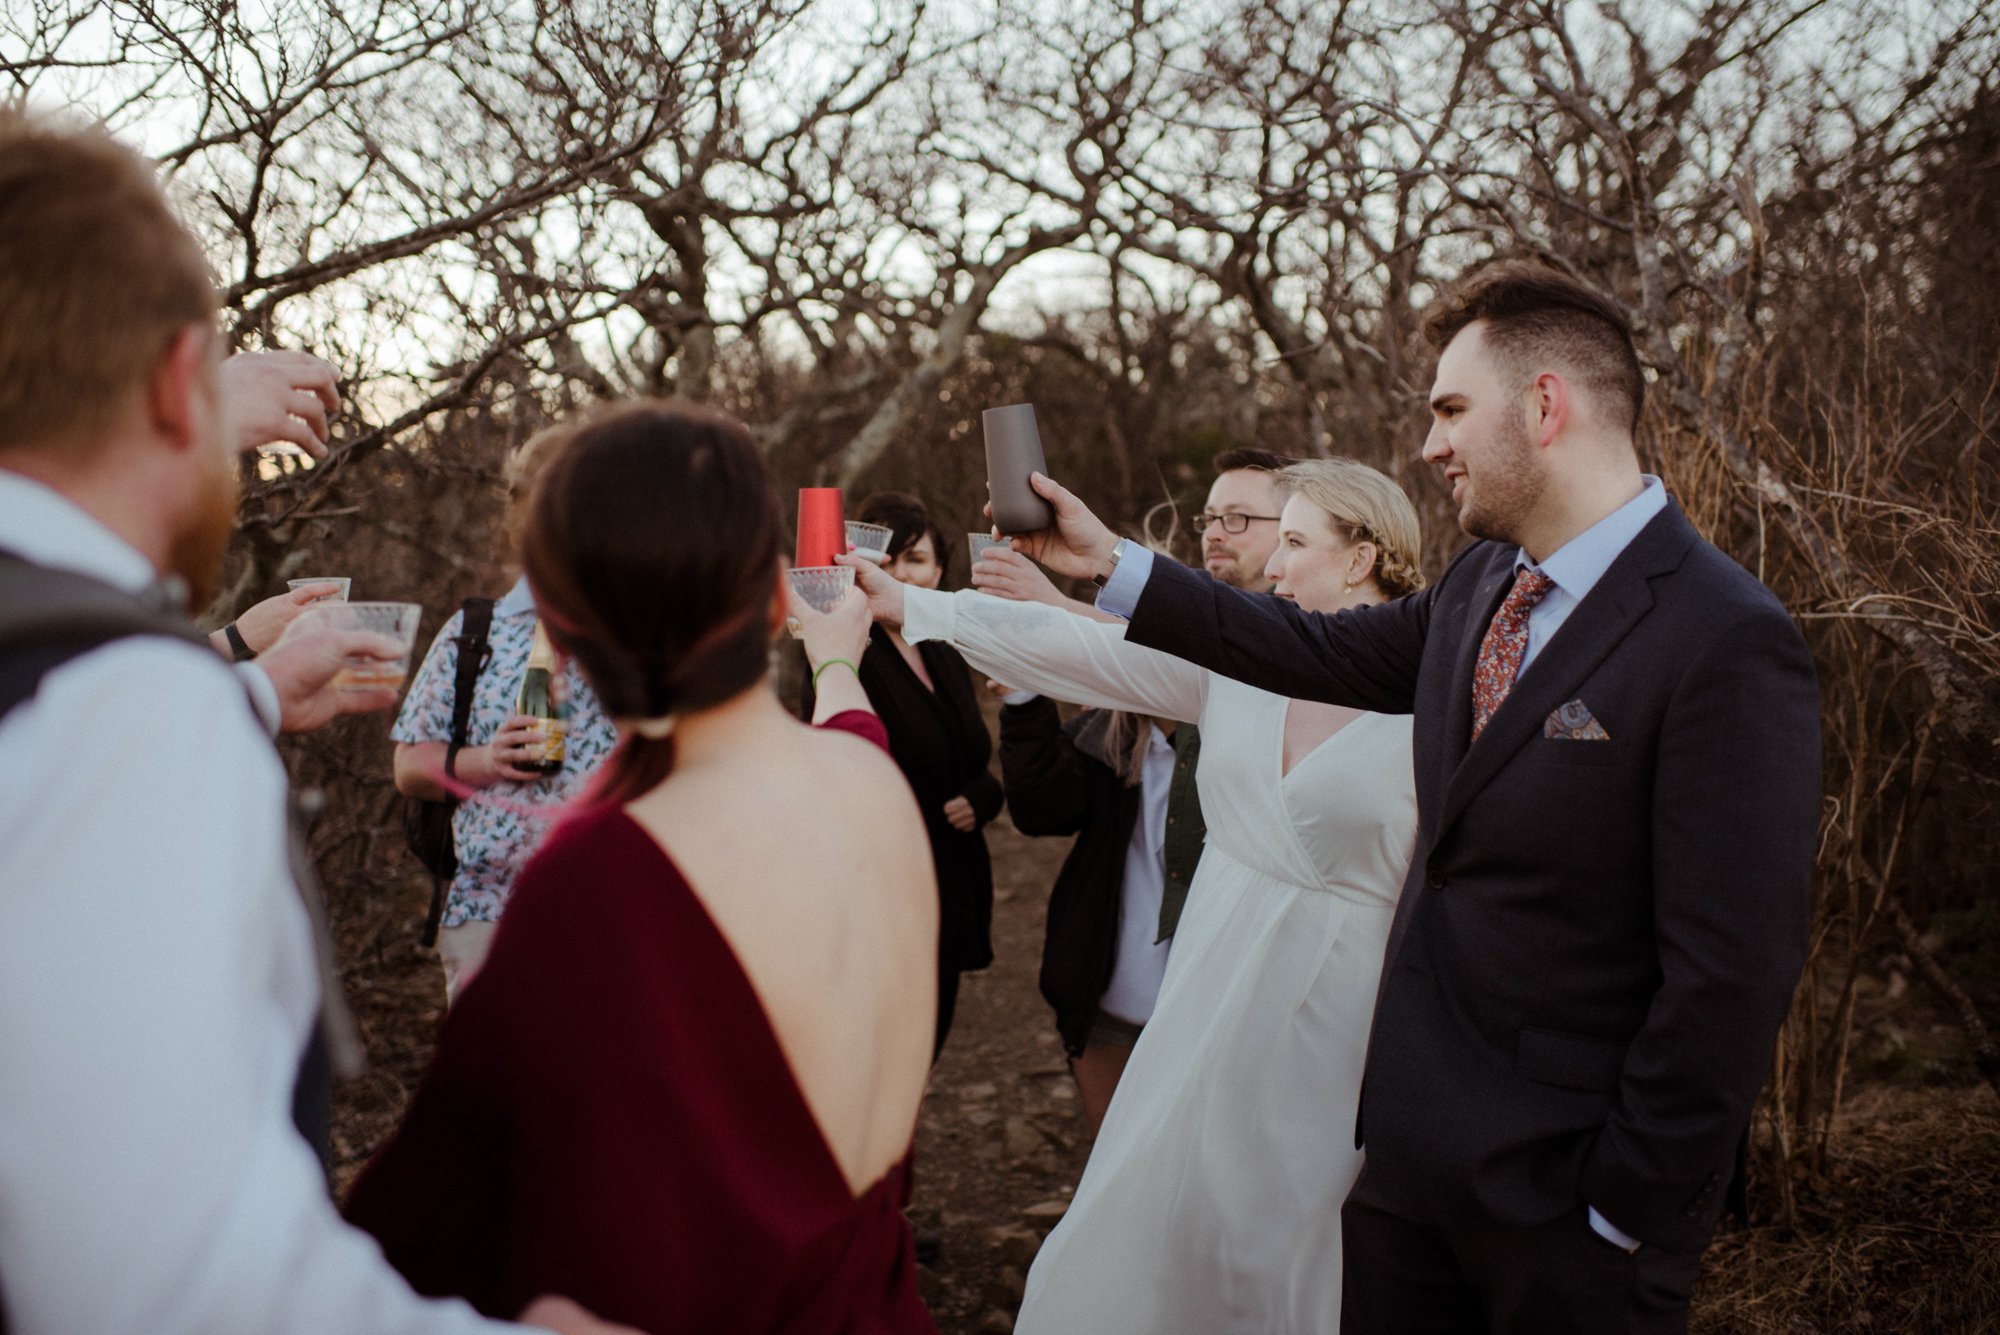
(1506, 641)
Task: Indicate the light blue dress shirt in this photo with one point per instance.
(1578, 564)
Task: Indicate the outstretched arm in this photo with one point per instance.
(1057, 653)
(1366, 658)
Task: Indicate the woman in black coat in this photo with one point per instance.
(925, 697)
(1103, 777)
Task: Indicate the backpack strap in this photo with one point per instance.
(473, 633)
(49, 616)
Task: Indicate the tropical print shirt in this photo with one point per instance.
(497, 829)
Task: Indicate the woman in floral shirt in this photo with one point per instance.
(502, 820)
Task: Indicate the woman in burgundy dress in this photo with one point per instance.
(683, 1088)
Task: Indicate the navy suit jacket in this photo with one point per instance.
(1598, 939)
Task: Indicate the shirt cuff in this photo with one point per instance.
(1120, 594)
(928, 614)
(263, 695)
(1019, 697)
(1610, 1232)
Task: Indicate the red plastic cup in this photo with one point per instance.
(822, 531)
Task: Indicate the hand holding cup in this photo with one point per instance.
(1079, 545)
(262, 624)
(841, 632)
(307, 665)
(1005, 573)
(883, 592)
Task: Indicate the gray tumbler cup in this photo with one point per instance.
(1013, 451)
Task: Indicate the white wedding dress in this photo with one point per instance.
(1211, 1202)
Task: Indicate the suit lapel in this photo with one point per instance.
(1590, 632)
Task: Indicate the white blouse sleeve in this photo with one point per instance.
(1032, 646)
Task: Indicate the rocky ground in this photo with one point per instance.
(1900, 1234)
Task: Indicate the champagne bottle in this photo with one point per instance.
(536, 699)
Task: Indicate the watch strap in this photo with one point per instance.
(239, 648)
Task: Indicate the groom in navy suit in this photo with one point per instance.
(1617, 766)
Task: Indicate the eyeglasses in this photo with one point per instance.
(1231, 523)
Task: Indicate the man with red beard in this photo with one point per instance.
(158, 978)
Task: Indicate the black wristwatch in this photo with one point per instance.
(239, 648)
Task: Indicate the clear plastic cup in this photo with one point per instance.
(977, 543)
(869, 541)
(339, 596)
(821, 586)
(398, 621)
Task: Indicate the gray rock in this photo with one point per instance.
(1045, 1214)
(1023, 1139)
(1004, 1290)
(1013, 1245)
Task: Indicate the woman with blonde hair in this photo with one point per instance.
(1212, 1198)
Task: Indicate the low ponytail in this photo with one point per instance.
(653, 546)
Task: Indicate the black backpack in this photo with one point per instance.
(427, 823)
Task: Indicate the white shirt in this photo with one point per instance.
(1141, 962)
(157, 984)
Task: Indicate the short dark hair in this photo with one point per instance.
(1535, 316)
(1250, 457)
(907, 519)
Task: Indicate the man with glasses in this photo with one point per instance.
(1238, 528)
(1238, 531)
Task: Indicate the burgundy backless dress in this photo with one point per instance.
(610, 1117)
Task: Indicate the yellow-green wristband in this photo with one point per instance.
(834, 662)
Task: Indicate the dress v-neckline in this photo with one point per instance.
(770, 1029)
(1284, 718)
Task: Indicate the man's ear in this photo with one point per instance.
(1548, 402)
(180, 398)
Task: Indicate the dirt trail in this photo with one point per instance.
(1002, 1140)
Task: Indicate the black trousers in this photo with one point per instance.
(946, 1008)
(1400, 1277)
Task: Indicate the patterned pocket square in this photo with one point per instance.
(1573, 723)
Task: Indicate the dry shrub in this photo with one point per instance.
(1900, 1233)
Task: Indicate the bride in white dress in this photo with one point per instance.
(1211, 1201)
